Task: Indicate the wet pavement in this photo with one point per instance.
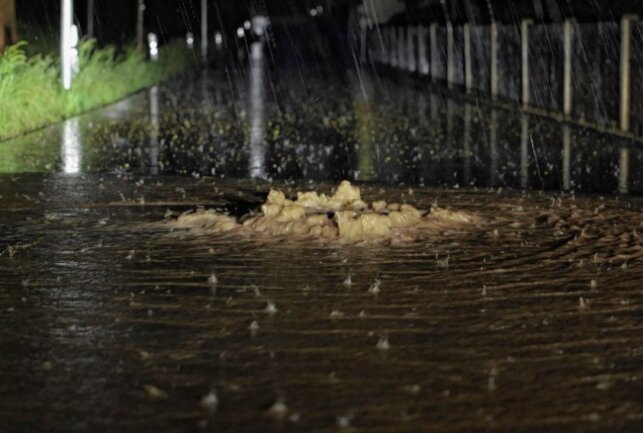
(110, 322)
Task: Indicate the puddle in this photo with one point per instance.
(526, 320)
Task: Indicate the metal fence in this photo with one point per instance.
(591, 73)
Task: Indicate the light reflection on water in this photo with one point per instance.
(367, 127)
(154, 132)
(512, 321)
(71, 151)
(624, 170)
(257, 111)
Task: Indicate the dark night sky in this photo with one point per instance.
(116, 19)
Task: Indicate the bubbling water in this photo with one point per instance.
(342, 217)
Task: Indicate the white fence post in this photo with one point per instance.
(626, 30)
(524, 36)
(568, 30)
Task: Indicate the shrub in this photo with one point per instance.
(31, 95)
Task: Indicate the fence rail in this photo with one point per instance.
(590, 73)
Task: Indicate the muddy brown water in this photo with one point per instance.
(108, 321)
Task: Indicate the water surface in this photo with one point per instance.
(108, 321)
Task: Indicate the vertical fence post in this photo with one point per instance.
(433, 35)
(624, 161)
(568, 34)
(450, 56)
(411, 58)
(524, 150)
(494, 60)
(424, 62)
(468, 66)
(626, 30)
(524, 36)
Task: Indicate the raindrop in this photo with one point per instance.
(583, 303)
(271, 308)
(210, 401)
(155, 392)
(344, 421)
(375, 287)
(212, 279)
(278, 409)
(254, 327)
(383, 343)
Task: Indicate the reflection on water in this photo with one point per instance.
(154, 131)
(530, 326)
(363, 94)
(257, 111)
(353, 126)
(120, 109)
(567, 157)
(524, 150)
(71, 151)
(466, 145)
(493, 148)
(503, 329)
(624, 170)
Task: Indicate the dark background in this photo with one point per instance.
(116, 19)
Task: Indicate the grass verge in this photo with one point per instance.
(31, 95)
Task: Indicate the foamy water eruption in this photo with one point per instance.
(343, 217)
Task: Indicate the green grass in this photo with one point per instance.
(31, 95)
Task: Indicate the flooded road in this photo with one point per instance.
(110, 322)
(355, 126)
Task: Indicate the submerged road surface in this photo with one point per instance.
(110, 321)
